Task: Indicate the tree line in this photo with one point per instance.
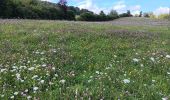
(37, 9)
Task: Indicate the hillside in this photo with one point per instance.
(71, 60)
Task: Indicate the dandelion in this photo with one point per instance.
(136, 60)
(62, 81)
(126, 81)
(168, 56)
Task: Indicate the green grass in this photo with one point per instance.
(85, 61)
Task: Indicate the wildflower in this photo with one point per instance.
(44, 65)
(12, 97)
(37, 52)
(2, 96)
(42, 53)
(29, 97)
(53, 68)
(2, 70)
(168, 73)
(31, 68)
(15, 93)
(89, 81)
(50, 83)
(152, 59)
(26, 90)
(165, 98)
(18, 76)
(42, 81)
(136, 60)
(62, 81)
(153, 80)
(35, 88)
(22, 81)
(115, 56)
(35, 76)
(126, 81)
(97, 72)
(168, 56)
(141, 65)
(56, 75)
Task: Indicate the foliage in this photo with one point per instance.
(114, 14)
(146, 15)
(127, 14)
(37, 9)
(164, 16)
(141, 13)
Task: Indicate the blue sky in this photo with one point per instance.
(156, 6)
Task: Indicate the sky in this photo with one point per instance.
(135, 6)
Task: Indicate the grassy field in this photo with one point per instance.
(61, 60)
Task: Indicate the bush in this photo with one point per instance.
(164, 16)
(70, 15)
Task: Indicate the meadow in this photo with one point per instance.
(125, 59)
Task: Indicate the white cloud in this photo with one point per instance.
(121, 7)
(88, 4)
(162, 10)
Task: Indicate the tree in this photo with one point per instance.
(102, 16)
(129, 13)
(140, 15)
(63, 6)
(113, 14)
(146, 15)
